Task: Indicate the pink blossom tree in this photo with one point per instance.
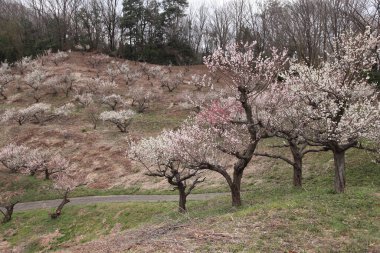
(235, 121)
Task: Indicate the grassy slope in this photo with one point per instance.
(275, 216)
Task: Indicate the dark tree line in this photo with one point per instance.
(169, 31)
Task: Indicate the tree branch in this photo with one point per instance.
(275, 157)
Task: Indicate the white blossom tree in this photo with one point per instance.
(37, 113)
(130, 76)
(281, 115)
(121, 119)
(25, 64)
(171, 83)
(113, 101)
(340, 105)
(22, 159)
(113, 71)
(48, 163)
(142, 98)
(103, 87)
(160, 158)
(59, 57)
(200, 82)
(67, 81)
(36, 80)
(84, 100)
(15, 157)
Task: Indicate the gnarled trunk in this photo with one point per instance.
(8, 212)
(182, 199)
(297, 166)
(58, 211)
(339, 165)
(235, 188)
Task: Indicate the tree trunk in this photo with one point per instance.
(235, 188)
(8, 212)
(182, 199)
(297, 173)
(47, 174)
(339, 164)
(58, 211)
(297, 165)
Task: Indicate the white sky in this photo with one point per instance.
(196, 3)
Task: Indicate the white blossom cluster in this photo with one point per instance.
(59, 57)
(142, 98)
(130, 76)
(121, 119)
(37, 113)
(96, 60)
(171, 83)
(22, 159)
(113, 101)
(113, 71)
(200, 82)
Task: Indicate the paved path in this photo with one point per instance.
(110, 199)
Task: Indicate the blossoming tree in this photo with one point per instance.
(341, 106)
(235, 122)
(161, 159)
(38, 113)
(121, 119)
(283, 116)
(36, 80)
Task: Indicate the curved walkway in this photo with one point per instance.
(111, 199)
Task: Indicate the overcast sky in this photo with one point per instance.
(209, 2)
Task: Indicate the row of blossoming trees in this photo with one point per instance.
(99, 97)
(332, 107)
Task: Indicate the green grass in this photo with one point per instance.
(277, 217)
(81, 223)
(154, 122)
